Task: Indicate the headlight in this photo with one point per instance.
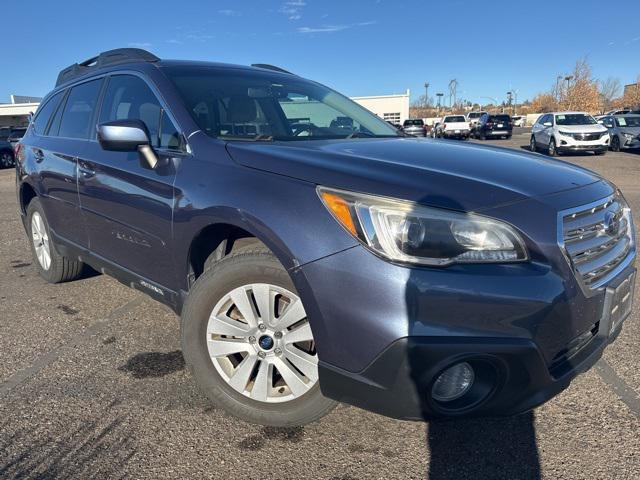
(566, 134)
(628, 136)
(411, 233)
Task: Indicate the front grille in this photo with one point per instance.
(587, 136)
(596, 239)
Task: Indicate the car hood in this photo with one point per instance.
(631, 130)
(582, 128)
(460, 176)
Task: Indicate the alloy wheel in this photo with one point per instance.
(532, 143)
(552, 148)
(6, 160)
(40, 239)
(260, 342)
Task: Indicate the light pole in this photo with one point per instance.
(439, 95)
(426, 94)
(509, 98)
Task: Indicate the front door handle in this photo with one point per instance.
(85, 170)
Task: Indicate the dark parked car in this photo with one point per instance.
(6, 154)
(15, 134)
(415, 127)
(311, 265)
(489, 125)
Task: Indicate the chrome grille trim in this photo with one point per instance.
(596, 255)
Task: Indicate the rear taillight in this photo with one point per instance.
(19, 152)
(444, 125)
(510, 124)
(489, 124)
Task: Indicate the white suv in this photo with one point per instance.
(561, 132)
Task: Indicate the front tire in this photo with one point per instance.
(615, 144)
(52, 266)
(249, 344)
(552, 151)
(533, 146)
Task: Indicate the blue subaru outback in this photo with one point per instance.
(314, 253)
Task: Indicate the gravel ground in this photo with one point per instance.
(93, 384)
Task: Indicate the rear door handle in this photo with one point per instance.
(85, 170)
(38, 154)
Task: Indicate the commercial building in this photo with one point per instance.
(393, 108)
(16, 113)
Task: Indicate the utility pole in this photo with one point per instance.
(426, 94)
(509, 99)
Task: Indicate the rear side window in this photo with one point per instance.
(129, 98)
(78, 111)
(44, 113)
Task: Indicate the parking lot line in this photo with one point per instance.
(51, 356)
(624, 392)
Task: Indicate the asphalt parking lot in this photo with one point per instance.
(93, 384)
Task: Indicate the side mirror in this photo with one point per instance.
(548, 124)
(601, 122)
(128, 136)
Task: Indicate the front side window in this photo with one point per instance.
(44, 113)
(78, 111)
(128, 97)
(575, 119)
(250, 105)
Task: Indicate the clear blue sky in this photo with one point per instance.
(358, 47)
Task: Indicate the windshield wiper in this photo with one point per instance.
(257, 138)
(359, 135)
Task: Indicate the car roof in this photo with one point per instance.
(568, 113)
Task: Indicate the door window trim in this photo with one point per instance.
(184, 149)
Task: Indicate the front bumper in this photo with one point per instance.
(398, 383)
(570, 144)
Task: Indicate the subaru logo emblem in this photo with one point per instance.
(611, 223)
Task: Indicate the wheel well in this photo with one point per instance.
(27, 193)
(215, 242)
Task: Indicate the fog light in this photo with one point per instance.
(453, 383)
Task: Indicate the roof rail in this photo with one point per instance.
(111, 57)
(270, 67)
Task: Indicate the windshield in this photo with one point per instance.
(475, 115)
(628, 121)
(414, 122)
(250, 105)
(500, 118)
(455, 119)
(575, 119)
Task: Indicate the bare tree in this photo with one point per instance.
(610, 89)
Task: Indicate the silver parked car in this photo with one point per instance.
(624, 130)
(414, 126)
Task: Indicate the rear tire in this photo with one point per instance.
(6, 159)
(248, 272)
(52, 266)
